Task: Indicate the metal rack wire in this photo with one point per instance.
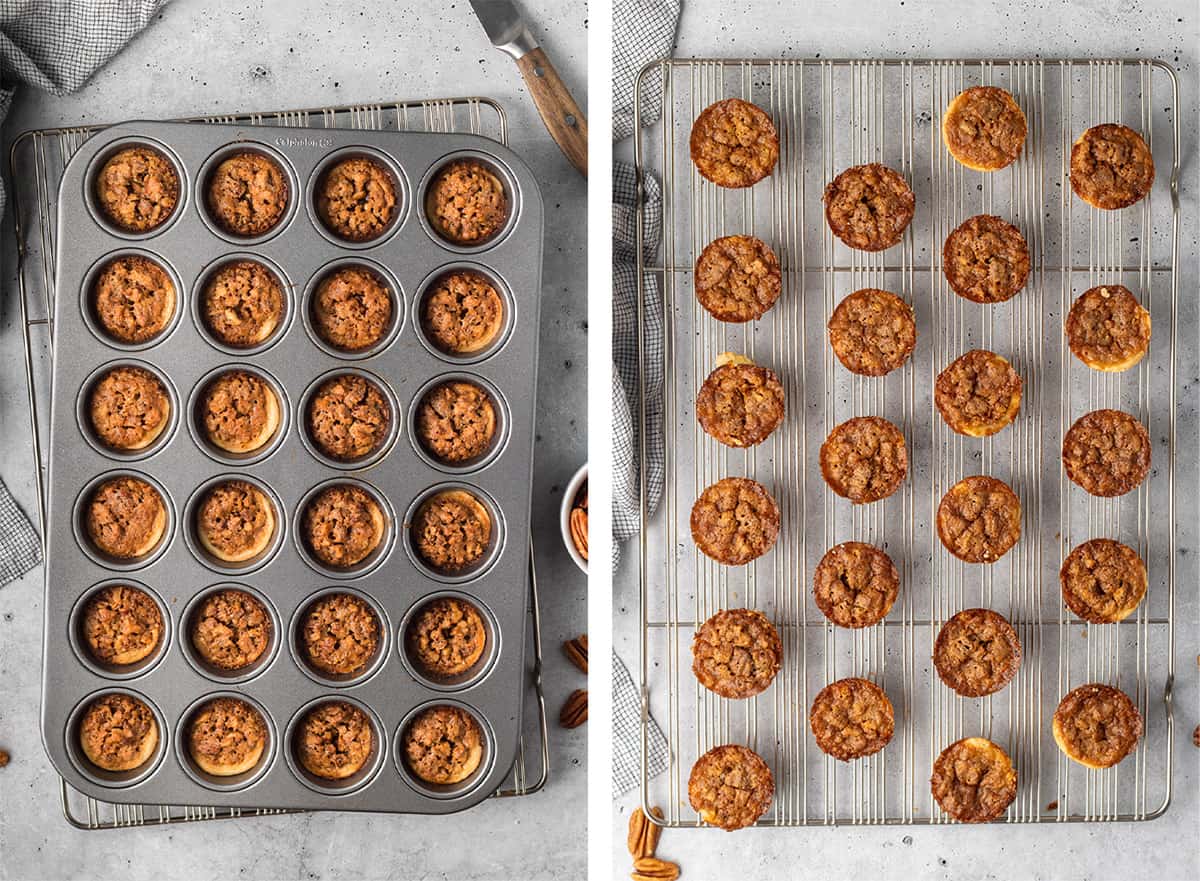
(832, 114)
(36, 162)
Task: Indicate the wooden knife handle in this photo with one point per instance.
(563, 118)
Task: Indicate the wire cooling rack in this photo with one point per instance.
(832, 114)
(36, 162)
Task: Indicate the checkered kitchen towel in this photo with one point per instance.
(626, 457)
(627, 735)
(643, 30)
(54, 45)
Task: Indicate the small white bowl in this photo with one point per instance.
(564, 518)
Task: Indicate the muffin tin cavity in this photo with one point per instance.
(131, 299)
(353, 782)
(455, 313)
(411, 728)
(345, 411)
(240, 733)
(333, 494)
(127, 397)
(213, 624)
(469, 202)
(357, 197)
(232, 420)
(343, 309)
(135, 188)
(443, 623)
(239, 191)
(94, 773)
(103, 611)
(449, 419)
(438, 542)
(327, 632)
(242, 304)
(234, 523)
(119, 506)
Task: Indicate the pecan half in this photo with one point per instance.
(574, 711)
(654, 869)
(576, 651)
(579, 530)
(3, 758)
(643, 835)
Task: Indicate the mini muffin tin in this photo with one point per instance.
(174, 681)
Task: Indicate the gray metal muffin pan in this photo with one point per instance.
(394, 582)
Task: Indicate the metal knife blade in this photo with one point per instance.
(504, 26)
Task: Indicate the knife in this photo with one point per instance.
(562, 116)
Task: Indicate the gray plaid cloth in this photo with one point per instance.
(643, 30)
(626, 489)
(627, 735)
(53, 45)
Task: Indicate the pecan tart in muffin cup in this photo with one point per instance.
(973, 780)
(855, 584)
(235, 521)
(979, 519)
(1108, 329)
(1111, 167)
(864, 459)
(241, 304)
(872, 332)
(730, 786)
(333, 741)
(1103, 581)
(128, 409)
(132, 300)
(226, 737)
(121, 625)
(447, 639)
(737, 278)
(978, 393)
(237, 414)
(984, 128)
(986, 260)
(1107, 453)
(443, 745)
(977, 652)
(453, 533)
(735, 521)
(137, 189)
(1097, 725)
(740, 403)
(342, 525)
(734, 143)
(118, 732)
(339, 636)
(736, 653)
(230, 632)
(125, 519)
(852, 718)
(869, 207)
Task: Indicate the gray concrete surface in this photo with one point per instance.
(233, 55)
(1163, 849)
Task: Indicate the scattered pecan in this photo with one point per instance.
(1196, 736)
(654, 869)
(643, 835)
(574, 711)
(3, 758)
(576, 651)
